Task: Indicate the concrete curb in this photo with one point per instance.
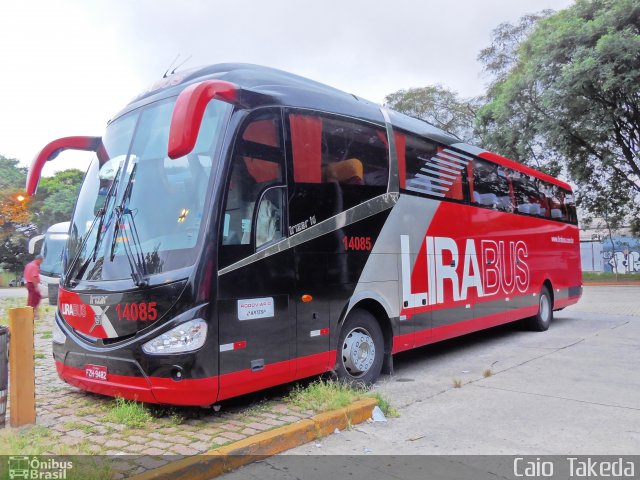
(225, 459)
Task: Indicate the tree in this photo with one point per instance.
(439, 106)
(13, 207)
(13, 248)
(15, 228)
(55, 198)
(572, 100)
(500, 58)
(22, 217)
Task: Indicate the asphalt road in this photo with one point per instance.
(11, 292)
(574, 389)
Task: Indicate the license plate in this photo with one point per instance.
(95, 372)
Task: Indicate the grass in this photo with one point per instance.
(609, 277)
(39, 356)
(8, 303)
(129, 413)
(34, 440)
(457, 383)
(46, 335)
(38, 440)
(324, 395)
(89, 429)
(385, 405)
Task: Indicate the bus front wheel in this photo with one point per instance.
(360, 349)
(540, 322)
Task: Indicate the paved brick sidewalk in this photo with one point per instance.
(71, 421)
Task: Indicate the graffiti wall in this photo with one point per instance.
(623, 256)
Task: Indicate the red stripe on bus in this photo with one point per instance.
(193, 391)
(199, 391)
(247, 381)
(445, 332)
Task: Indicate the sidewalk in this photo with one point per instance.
(71, 421)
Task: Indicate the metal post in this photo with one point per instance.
(22, 384)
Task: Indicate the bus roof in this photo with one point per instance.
(288, 89)
(62, 227)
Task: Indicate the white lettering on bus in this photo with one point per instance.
(73, 309)
(504, 269)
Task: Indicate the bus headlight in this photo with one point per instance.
(58, 334)
(183, 338)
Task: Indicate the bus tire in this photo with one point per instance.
(541, 321)
(360, 351)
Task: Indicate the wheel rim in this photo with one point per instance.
(545, 308)
(358, 352)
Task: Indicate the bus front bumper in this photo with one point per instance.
(193, 392)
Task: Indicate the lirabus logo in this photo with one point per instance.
(490, 267)
(38, 468)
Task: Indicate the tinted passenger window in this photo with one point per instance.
(530, 195)
(257, 165)
(570, 205)
(491, 187)
(337, 164)
(431, 169)
(557, 201)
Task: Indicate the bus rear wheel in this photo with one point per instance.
(541, 321)
(360, 349)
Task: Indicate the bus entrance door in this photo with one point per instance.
(257, 327)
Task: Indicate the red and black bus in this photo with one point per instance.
(242, 227)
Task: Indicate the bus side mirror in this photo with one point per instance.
(53, 149)
(189, 110)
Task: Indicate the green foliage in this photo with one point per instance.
(12, 182)
(21, 220)
(55, 198)
(439, 106)
(500, 57)
(572, 100)
(322, 396)
(129, 413)
(608, 277)
(13, 247)
(385, 405)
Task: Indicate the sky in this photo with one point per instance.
(67, 66)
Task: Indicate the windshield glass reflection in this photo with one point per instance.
(139, 205)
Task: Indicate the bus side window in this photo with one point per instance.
(530, 199)
(570, 205)
(269, 225)
(257, 163)
(558, 207)
(338, 163)
(434, 170)
(491, 187)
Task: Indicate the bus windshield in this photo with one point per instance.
(52, 249)
(139, 210)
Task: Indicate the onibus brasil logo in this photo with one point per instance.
(36, 468)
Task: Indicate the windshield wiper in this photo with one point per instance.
(98, 216)
(137, 263)
(101, 213)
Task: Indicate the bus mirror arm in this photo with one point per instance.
(189, 111)
(53, 149)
